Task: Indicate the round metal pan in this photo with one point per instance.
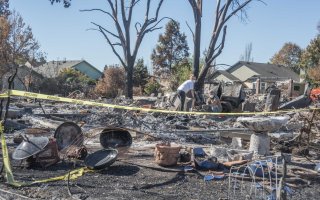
(101, 159)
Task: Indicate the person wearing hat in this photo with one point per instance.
(184, 88)
(214, 102)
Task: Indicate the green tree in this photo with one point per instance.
(310, 60)
(171, 50)
(288, 56)
(311, 55)
(66, 3)
(181, 74)
(314, 74)
(140, 74)
(70, 80)
(152, 87)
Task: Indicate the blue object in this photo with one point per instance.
(188, 168)
(204, 164)
(209, 177)
(259, 169)
(198, 151)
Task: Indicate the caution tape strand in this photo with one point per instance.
(92, 103)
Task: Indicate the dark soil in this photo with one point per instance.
(136, 177)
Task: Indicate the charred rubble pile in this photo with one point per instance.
(220, 147)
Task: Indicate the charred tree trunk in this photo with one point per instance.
(129, 85)
(197, 10)
(121, 12)
(201, 78)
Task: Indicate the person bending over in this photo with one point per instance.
(184, 88)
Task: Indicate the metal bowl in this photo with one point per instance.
(115, 138)
(101, 159)
(68, 134)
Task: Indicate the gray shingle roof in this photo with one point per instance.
(267, 70)
(51, 69)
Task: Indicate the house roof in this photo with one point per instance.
(267, 70)
(52, 68)
(224, 73)
(228, 75)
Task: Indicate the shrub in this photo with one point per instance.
(112, 81)
(152, 87)
(68, 80)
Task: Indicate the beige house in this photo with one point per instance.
(222, 75)
(252, 74)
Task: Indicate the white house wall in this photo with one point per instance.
(221, 77)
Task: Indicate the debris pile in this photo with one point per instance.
(257, 157)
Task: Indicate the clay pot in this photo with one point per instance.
(167, 154)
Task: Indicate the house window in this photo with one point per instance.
(254, 85)
(263, 86)
(296, 88)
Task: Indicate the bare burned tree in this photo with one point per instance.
(197, 14)
(121, 14)
(225, 9)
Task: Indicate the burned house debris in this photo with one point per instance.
(261, 146)
(251, 156)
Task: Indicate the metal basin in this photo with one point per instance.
(30, 147)
(101, 159)
(115, 138)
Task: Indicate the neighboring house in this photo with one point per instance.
(53, 68)
(26, 79)
(252, 74)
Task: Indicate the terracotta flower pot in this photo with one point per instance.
(167, 154)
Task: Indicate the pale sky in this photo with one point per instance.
(63, 32)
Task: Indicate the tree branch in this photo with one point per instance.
(136, 27)
(221, 45)
(190, 30)
(96, 9)
(112, 47)
(144, 28)
(237, 9)
(147, 11)
(113, 34)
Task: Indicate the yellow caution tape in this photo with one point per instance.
(4, 95)
(92, 103)
(6, 160)
(72, 175)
